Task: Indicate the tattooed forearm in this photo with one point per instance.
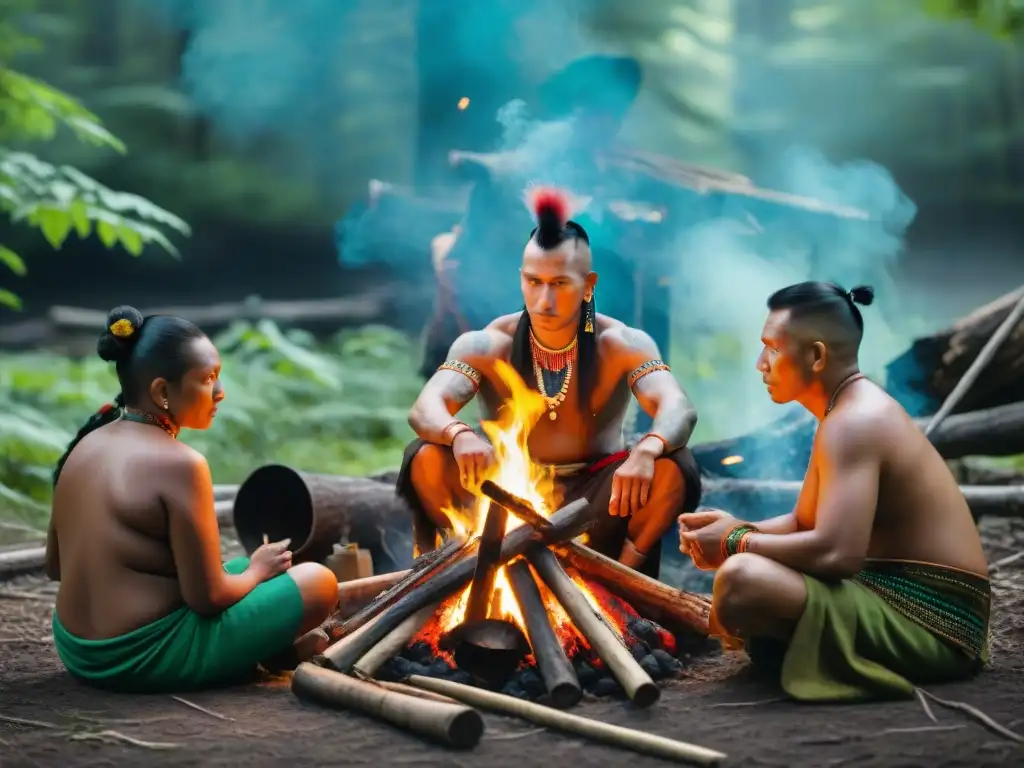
(453, 385)
(674, 419)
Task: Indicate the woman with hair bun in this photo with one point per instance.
(145, 602)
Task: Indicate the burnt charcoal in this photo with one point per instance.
(639, 650)
(532, 683)
(606, 686)
(645, 631)
(513, 688)
(460, 676)
(439, 668)
(650, 665)
(392, 670)
(419, 669)
(669, 664)
(586, 674)
(420, 652)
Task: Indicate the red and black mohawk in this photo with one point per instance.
(551, 207)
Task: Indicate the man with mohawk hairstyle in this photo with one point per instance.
(586, 365)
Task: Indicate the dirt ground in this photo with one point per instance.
(48, 719)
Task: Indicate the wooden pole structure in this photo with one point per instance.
(566, 523)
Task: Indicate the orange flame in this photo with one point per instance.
(517, 473)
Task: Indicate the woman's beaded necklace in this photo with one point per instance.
(143, 417)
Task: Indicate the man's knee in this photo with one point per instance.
(428, 465)
(740, 583)
(668, 489)
(319, 589)
(750, 589)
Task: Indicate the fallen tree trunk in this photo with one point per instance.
(738, 495)
(318, 511)
(782, 449)
(62, 324)
(925, 375)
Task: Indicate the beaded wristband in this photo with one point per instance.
(455, 429)
(733, 537)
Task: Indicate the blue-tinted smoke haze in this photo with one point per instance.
(258, 67)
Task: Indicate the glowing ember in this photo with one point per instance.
(463, 103)
(730, 460)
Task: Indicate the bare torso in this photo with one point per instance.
(921, 513)
(116, 566)
(574, 436)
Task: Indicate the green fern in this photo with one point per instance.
(61, 200)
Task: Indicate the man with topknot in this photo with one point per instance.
(587, 366)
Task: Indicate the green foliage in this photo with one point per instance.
(59, 200)
(339, 408)
(1002, 18)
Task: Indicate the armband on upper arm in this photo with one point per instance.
(646, 368)
(465, 369)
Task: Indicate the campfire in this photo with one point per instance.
(514, 601)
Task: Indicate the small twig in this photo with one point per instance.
(17, 594)
(26, 721)
(746, 703)
(511, 736)
(925, 705)
(1002, 563)
(204, 710)
(977, 714)
(922, 729)
(114, 736)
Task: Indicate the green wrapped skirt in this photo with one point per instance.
(185, 651)
(894, 626)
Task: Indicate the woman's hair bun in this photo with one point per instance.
(120, 335)
(863, 295)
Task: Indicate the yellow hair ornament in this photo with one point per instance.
(122, 328)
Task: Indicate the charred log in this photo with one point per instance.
(560, 679)
(637, 684)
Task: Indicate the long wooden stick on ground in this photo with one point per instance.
(615, 735)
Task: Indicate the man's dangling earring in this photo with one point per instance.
(166, 405)
(589, 325)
